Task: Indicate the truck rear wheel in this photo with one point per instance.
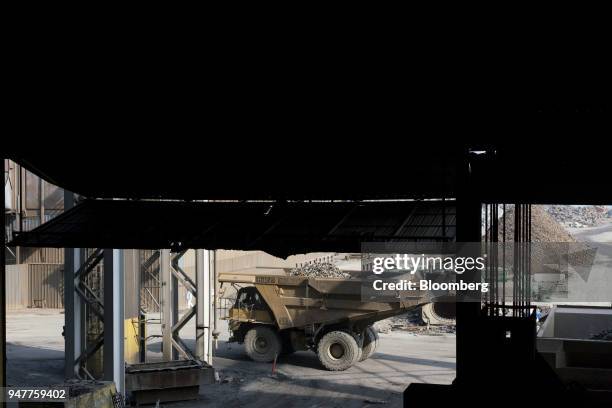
(262, 344)
(370, 343)
(338, 351)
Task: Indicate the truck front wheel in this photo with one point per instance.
(262, 344)
(338, 351)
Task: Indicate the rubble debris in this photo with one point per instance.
(319, 270)
(411, 322)
(578, 216)
(603, 335)
(383, 326)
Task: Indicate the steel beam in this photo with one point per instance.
(469, 224)
(215, 302)
(131, 307)
(74, 314)
(203, 305)
(212, 293)
(114, 366)
(3, 293)
(175, 309)
(165, 273)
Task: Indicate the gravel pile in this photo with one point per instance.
(578, 217)
(544, 228)
(319, 270)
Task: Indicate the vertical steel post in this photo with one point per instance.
(203, 305)
(175, 306)
(41, 201)
(114, 366)
(211, 304)
(17, 202)
(469, 224)
(215, 302)
(73, 305)
(165, 273)
(131, 273)
(3, 293)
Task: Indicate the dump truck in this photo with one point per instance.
(276, 314)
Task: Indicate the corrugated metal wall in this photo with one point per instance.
(41, 255)
(46, 283)
(17, 288)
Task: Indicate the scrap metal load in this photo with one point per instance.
(579, 216)
(282, 314)
(319, 270)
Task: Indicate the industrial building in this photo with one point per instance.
(132, 252)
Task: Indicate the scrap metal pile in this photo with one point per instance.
(412, 322)
(578, 216)
(319, 270)
(544, 227)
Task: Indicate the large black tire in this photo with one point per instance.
(370, 343)
(338, 350)
(262, 344)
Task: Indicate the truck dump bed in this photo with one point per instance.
(297, 301)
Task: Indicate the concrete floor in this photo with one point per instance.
(35, 357)
(402, 358)
(35, 347)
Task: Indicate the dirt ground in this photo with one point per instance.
(35, 357)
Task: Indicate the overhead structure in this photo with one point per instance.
(512, 168)
(281, 229)
(293, 221)
(255, 177)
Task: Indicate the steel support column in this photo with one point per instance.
(215, 294)
(175, 304)
(133, 335)
(212, 305)
(73, 306)
(3, 292)
(167, 319)
(203, 305)
(114, 366)
(469, 229)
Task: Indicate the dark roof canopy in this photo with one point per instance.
(570, 165)
(313, 173)
(279, 229)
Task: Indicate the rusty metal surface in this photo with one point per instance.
(167, 375)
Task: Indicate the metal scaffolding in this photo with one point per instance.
(93, 298)
(172, 275)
